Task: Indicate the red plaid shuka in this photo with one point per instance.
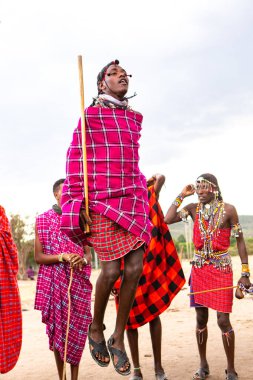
(214, 273)
(117, 189)
(10, 308)
(209, 277)
(162, 276)
(109, 240)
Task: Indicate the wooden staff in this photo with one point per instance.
(67, 329)
(85, 175)
(213, 290)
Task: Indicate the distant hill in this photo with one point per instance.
(245, 220)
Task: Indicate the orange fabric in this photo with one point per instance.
(162, 276)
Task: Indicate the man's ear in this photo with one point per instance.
(101, 86)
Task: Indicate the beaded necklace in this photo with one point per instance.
(209, 217)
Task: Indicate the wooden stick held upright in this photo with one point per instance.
(85, 175)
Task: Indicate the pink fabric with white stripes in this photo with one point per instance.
(117, 188)
(52, 291)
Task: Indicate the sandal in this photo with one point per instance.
(161, 376)
(201, 374)
(231, 375)
(122, 358)
(98, 348)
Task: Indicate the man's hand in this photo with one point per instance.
(245, 281)
(188, 190)
(150, 181)
(75, 260)
(84, 220)
(246, 284)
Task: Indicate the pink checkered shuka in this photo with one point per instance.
(52, 291)
(117, 188)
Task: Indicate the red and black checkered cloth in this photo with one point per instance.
(162, 276)
(10, 308)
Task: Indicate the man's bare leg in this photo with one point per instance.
(133, 267)
(202, 334)
(228, 338)
(110, 272)
(132, 335)
(155, 327)
(59, 363)
(74, 371)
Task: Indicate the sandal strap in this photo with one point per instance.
(99, 347)
(231, 376)
(121, 355)
(201, 373)
(161, 376)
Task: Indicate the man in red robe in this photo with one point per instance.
(10, 308)
(214, 222)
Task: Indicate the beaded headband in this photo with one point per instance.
(202, 179)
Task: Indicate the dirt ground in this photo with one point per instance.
(179, 349)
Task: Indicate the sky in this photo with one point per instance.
(191, 64)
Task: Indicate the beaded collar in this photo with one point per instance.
(209, 217)
(107, 101)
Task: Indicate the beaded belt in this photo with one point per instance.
(219, 259)
(212, 255)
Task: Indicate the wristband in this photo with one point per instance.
(60, 257)
(178, 201)
(245, 274)
(245, 268)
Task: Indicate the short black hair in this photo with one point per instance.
(57, 184)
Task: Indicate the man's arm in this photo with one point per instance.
(73, 259)
(157, 180)
(241, 246)
(173, 215)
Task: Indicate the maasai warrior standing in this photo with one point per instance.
(212, 267)
(10, 308)
(118, 203)
(56, 253)
(161, 280)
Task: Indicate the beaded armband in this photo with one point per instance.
(236, 230)
(178, 201)
(183, 214)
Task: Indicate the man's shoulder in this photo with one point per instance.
(229, 208)
(46, 215)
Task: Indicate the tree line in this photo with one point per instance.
(23, 235)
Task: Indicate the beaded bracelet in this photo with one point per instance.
(245, 274)
(178, 201)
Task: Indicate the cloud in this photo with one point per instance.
(191, 64)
